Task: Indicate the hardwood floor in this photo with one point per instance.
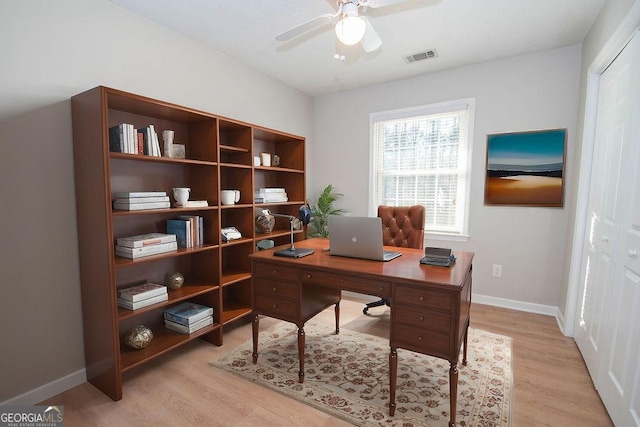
(551, 384)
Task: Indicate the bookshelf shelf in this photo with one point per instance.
(218, 155)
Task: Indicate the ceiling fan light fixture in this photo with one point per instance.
(350, 30)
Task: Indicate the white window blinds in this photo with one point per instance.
(422, 156)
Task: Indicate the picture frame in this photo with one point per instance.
(526, 168)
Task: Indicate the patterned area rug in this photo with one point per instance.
(346, 375)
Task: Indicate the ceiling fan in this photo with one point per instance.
(351, 28)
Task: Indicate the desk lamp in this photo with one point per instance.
(304, 215)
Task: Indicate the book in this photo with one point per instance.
(141, 240)
(196, 223)
(133, 194)
(182, 230)
(184, 329)
(144, 303)
(270, 190)
(116, 138)
(192, 204)
(141, 206)
(155, 144)
(187, 313)
(134, 200)
(142, 292)
(135, 253)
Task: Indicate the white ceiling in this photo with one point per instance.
(461, 31)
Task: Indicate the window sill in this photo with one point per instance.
(446, 237)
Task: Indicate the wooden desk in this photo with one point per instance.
(429, 305)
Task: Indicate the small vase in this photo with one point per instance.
(265, 222)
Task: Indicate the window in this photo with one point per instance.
(422, 156)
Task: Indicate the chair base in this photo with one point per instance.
(380, 302)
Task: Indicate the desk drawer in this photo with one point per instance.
(423, 319)
(420, 297)
(379, 288)
(271, 271)
(424, 341)
(276, 288)
(276, 307)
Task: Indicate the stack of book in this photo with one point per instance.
(442, 257)
(143, 245)
(135, 201)
(270, 195)
(188, 317)
(142, 295)
(189, 230)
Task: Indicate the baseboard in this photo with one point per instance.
(530, 307)
(46, 391)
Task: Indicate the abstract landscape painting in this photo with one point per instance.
(526, 168)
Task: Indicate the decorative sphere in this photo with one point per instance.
(139, 337)
(174, 281)
(265, 222)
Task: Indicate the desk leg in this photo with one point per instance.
(393, 372)
(255, 327)
(301, 353)
(453, 392)
(464, 346)
(337, 310)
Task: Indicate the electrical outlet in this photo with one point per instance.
(497, 270)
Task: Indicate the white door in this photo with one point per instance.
(619, 377)
(608, 334)
(604, 217)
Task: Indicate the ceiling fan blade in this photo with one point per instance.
(305, 26)
(381, 3)
(371, 40)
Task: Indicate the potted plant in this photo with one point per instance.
(319, 225)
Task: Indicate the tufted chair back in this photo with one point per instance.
(402, 225)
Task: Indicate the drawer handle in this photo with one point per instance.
(421, 318)
(381, 288)
(275, 305)
(421, 298)
(275, 289)
(275, 271)
(419, 338)
(308, 276)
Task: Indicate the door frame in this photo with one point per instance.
(618, 40)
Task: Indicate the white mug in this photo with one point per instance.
(181, 194)
(266, 159)
(229, 197)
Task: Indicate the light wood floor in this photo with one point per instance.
(551, 383)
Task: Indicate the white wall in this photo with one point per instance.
(49, 51)
(538, 91)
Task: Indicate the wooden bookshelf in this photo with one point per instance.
(219, 155)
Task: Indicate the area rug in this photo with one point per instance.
(346, 375)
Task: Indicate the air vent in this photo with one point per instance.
(427, 54)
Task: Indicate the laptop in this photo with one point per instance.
(358, 237)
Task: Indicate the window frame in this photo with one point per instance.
(425, 110)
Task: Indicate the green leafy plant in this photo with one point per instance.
(319, 225)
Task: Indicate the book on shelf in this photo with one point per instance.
(270, 195)
(192, 204)
(135, 253)
(122, 139)
(187, 313)
(182, 229)
(155, 144)
(135, 200)
(197, 228)
(188, 329)
(142, 292)
(141, 206)
(141, 240)
(136, 194)
(141, 304)
(270, 190)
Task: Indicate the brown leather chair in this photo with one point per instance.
(402, 226)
